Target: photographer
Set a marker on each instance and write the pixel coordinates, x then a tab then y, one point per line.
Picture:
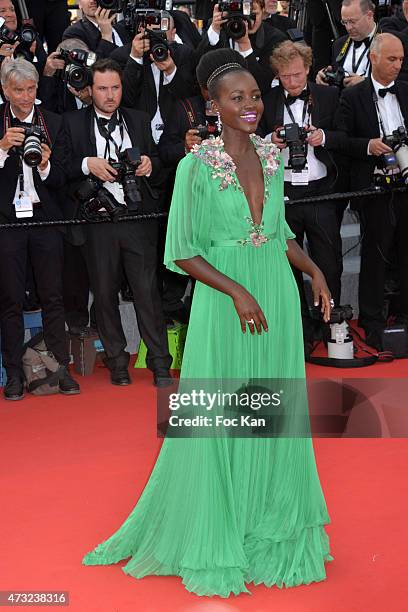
55	89
255	45
272	17
350	53
33	52
51	18
31	170
152	83
96	137
369	114
97	29
308	110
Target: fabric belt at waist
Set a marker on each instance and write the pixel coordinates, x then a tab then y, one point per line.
257	241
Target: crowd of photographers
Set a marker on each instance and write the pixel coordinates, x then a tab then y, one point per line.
96	115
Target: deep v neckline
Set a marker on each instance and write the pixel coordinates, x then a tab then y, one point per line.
240	188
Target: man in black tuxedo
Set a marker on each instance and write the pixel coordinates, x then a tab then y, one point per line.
94	137
50	17
97	29
275	19
322	34
297	101
351	52
28	195
367	113
255	46
153	86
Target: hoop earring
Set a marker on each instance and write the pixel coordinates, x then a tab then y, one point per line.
219	122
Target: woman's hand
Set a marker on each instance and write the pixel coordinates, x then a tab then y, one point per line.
249	312
321	294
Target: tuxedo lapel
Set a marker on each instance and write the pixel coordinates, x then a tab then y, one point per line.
90	124
403	102
316	110
368	105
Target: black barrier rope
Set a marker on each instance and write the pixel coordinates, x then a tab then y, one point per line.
349	195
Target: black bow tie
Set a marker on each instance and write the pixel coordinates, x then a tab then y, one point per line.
109	124
358	43
304	95
386	90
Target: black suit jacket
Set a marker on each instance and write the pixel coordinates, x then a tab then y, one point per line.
262	42
139	90
80	142
186	29
398	25
46	190
324	106
86	31
357	118
55	96
281	22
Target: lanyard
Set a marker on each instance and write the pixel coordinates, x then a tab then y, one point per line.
380	120
107	135
306	109
355	65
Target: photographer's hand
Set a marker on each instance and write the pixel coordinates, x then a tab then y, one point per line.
244	44
46	154
7	50
353	79
14	137
191	138
316	137
167	66
145	168
102	169
140	44
281	144
320	76
83	94
217	20
377	147
104	20
53	64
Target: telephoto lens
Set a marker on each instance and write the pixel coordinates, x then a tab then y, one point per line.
32	153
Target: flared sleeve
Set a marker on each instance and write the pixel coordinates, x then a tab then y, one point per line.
285	233
189	224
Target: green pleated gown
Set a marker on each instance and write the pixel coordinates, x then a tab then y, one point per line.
222	512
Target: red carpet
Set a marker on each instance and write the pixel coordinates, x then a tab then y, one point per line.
73	468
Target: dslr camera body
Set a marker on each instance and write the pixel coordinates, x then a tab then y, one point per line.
209	129
335	77
398	141
115	6
146	13
238	12
31	150
94	196
295	138
77	65
26	35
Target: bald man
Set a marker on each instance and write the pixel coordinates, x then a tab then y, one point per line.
368	112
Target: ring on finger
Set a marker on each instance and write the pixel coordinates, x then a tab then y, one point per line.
251	321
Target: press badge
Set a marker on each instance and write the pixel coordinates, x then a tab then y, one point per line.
23	205
300	178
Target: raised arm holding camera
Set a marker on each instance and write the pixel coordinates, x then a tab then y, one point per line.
300	117
31	171
240	26
19	41
115	168
350	53
374	115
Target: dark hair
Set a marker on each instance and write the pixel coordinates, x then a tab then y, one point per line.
214	60
106	65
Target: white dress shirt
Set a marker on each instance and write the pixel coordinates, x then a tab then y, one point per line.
214	37
362	50
116	39
389	109
115	189
29	188
317	170
157	121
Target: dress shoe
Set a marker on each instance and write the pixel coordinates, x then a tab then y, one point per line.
67	385
374	339
14	389
162	378
120	377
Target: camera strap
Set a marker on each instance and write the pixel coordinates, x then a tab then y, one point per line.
306	111
355	65
106	130
189	112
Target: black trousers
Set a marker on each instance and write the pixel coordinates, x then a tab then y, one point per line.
173	286
108	247
75	286
51	18
44	248
319	221
384	227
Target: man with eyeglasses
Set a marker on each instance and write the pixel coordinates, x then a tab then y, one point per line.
351	52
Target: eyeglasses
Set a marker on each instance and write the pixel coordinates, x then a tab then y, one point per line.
351	22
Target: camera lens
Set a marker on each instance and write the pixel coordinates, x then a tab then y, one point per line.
78	76
159	51
32	153
235	28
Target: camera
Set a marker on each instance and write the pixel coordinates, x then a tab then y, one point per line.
128	162
143	13
159	46
31	150
94	197
340	344
398	141
26	35
238	12
210	129
77	64
295	138
113	5
335	77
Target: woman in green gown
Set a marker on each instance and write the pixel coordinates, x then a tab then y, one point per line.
225	511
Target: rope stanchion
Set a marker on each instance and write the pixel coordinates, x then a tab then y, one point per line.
349	195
